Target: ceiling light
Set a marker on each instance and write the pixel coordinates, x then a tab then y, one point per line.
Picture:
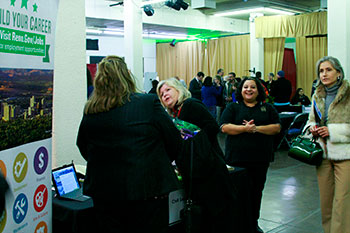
172	4
147	35
148	9
253	10
176	4
166	36
107	32
93	31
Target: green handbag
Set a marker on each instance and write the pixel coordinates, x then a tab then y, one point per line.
306	150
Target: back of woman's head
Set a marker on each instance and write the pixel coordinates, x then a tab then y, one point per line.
177	85
113	85
261	92
334	62
208	81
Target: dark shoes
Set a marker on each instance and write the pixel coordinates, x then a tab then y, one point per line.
258	229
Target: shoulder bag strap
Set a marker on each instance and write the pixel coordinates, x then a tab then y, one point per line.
190	174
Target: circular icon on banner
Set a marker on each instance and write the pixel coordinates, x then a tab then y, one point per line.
41	159
3	168
3	221
41	227
20	208
20	167
40	198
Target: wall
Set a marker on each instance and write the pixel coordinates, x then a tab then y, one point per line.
113	45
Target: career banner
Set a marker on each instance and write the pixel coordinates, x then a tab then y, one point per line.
27	35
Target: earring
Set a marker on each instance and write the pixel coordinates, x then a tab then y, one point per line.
338	78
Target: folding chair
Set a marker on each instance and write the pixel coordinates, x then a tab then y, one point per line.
294	129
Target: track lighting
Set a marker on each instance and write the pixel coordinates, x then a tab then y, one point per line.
176	4
148	9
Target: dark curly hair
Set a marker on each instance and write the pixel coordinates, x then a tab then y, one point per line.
261	92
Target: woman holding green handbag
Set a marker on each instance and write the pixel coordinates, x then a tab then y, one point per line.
332	103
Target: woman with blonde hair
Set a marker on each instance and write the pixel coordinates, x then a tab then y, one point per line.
211	185
128	141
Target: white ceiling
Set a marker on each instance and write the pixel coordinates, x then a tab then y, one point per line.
300	6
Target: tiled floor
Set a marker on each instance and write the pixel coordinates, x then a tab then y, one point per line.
291	198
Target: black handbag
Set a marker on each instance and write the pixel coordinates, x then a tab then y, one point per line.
191	214
306	149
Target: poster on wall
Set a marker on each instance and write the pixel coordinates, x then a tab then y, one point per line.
27	34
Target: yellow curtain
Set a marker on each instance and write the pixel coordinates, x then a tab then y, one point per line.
273	55
291	26
308	52
230	53
184	60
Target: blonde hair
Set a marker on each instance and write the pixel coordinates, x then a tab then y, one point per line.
173	82
113	85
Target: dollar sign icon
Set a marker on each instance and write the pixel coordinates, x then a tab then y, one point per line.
42	163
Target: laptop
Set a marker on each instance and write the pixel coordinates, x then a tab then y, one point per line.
66	183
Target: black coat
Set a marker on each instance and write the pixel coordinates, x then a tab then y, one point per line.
212	186
196	89
127	150
281	90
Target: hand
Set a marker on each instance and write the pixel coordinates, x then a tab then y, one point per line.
250	127
313	131
323	131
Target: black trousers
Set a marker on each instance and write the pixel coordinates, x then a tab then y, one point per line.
257	178
132	216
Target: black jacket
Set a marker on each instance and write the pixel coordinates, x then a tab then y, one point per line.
127	150
195	89
281	90
212	186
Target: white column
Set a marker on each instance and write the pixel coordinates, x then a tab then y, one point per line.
133	39
69	95
256	46
339	32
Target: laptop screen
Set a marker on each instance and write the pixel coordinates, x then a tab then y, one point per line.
65	179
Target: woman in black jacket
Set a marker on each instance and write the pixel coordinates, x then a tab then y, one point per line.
300	98
212	188
128	141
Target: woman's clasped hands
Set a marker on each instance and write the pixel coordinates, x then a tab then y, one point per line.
250	126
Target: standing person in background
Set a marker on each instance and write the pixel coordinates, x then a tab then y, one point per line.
332	101
196	86
221	73
270	82
230	81
258	75
211	185
154	87
210	93
300	98
128	141
281	90
220	103
90	87
251	125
